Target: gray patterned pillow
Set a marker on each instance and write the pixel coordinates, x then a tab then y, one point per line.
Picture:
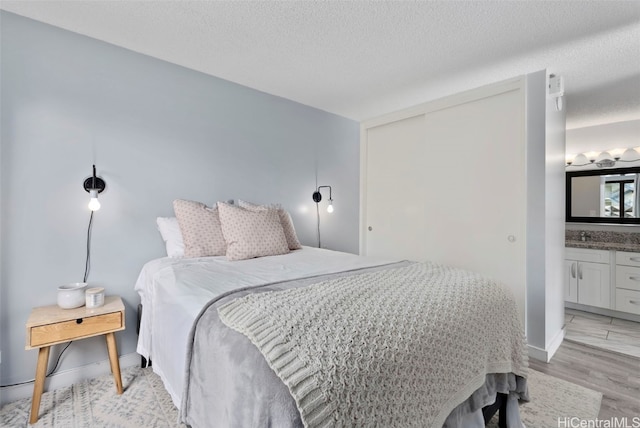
251	234
285	220
200	227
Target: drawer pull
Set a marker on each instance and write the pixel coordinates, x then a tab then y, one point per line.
634	278
634	259
79	321
634	302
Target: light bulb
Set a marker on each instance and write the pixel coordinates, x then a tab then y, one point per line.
592	156
617	153
569	159
330	207
94	204
630	154
604	156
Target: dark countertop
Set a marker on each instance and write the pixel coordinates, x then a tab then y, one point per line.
598	245
603	240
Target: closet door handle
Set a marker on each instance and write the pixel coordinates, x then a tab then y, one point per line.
573	270
579	271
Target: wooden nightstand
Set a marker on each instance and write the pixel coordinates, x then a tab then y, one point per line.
50	325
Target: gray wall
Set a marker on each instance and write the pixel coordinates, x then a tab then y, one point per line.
156	132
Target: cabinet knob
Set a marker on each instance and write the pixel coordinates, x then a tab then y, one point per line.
370	228
79	321
511	238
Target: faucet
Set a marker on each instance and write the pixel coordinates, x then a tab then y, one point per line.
583	236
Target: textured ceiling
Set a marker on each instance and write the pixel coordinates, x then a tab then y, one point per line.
364	59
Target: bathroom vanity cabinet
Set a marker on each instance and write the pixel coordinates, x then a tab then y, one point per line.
605	279
588	277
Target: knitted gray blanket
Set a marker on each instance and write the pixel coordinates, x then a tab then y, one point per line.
397	347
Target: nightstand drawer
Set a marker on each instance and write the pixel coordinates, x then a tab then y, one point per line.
75	329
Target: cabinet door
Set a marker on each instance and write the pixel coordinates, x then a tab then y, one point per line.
594	284
571	281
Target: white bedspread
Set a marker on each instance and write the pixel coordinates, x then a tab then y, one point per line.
173	291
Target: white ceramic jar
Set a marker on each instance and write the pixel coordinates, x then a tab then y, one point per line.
71	295
94	297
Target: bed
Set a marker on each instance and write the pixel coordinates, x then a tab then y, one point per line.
199	327
248	328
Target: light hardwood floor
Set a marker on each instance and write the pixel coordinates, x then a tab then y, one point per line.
604	332
615	375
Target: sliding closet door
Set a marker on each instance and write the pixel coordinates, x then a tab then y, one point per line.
477	197
449	186
395	206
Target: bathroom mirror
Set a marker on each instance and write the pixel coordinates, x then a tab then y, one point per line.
604	196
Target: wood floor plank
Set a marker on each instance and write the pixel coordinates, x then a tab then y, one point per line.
600	331
615	375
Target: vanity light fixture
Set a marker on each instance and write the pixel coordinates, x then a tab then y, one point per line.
317	197
94	185
604	159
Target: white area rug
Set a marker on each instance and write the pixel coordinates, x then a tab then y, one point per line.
145	403
94	403
553	398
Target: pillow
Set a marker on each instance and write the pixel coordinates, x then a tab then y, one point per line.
200	227
251	234
171	235
285	220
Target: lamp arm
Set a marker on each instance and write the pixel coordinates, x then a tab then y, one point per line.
324	187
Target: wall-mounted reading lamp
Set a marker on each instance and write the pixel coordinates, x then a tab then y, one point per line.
94	185
317	197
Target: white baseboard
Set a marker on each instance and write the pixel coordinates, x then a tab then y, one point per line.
67	378
546	354
555	343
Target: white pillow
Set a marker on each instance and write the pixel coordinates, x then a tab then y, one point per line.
171	235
